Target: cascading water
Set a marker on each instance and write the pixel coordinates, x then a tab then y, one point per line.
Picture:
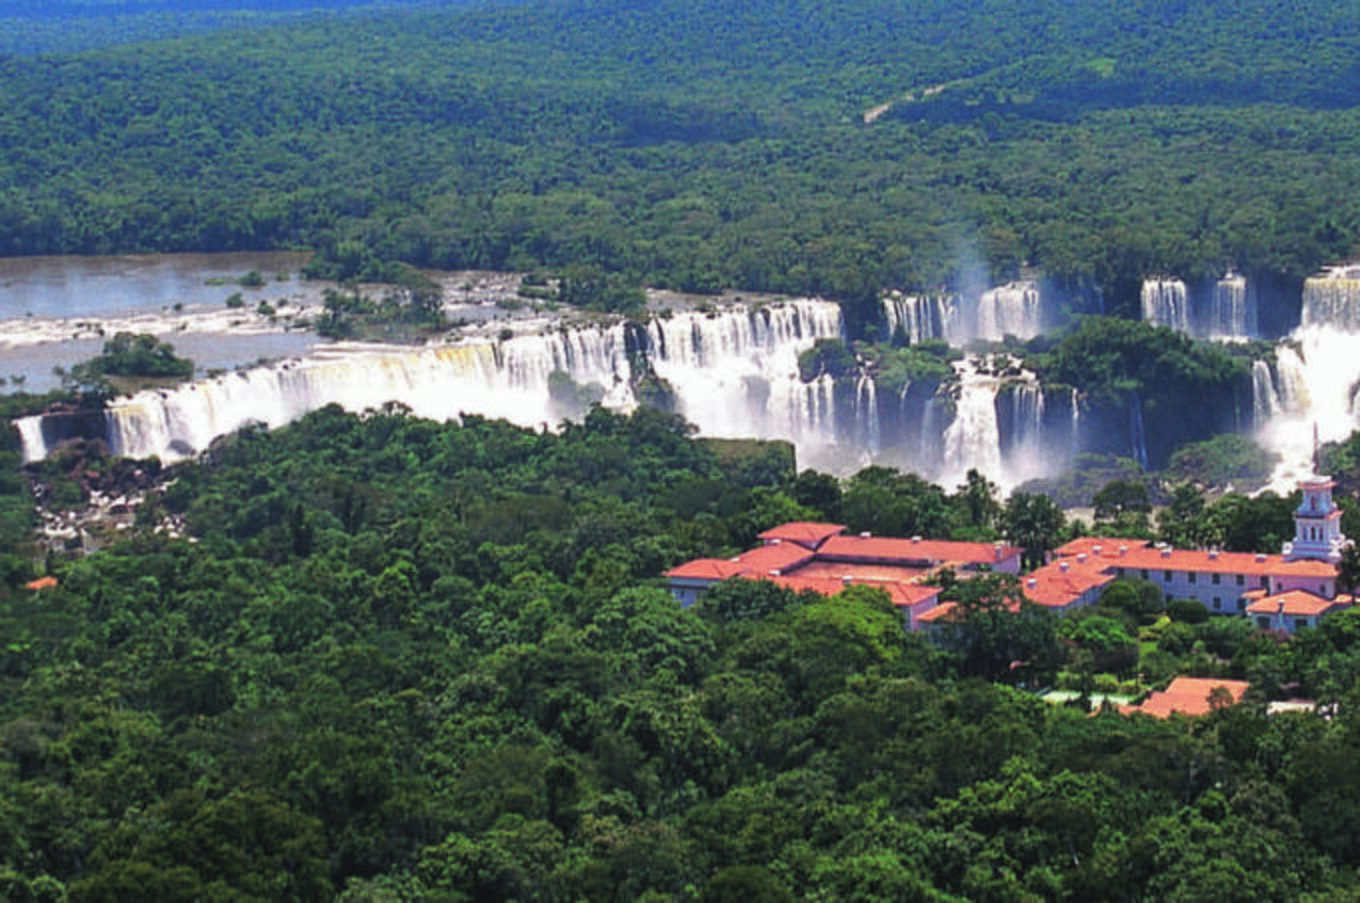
866	414
1232	312
922	318
1137	435
1074	425
735	372
1265	400
1166	303
973	439
1027	419
31	438
1316	378
713	361
1013	309
1333	299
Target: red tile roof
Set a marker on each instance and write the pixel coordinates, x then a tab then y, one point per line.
705	569
860	570
1108	547
901	594
763	559
1187	695
1217	562
911	551
804	533
1297	603
1053	588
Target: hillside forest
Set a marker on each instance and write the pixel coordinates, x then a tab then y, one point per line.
794	147
379	658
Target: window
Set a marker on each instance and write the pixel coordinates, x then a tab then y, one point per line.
1265	583
1193	576
1217	579
1300	622
1241	580
1144	573
1263	623
1166	576
1218	603
1241	604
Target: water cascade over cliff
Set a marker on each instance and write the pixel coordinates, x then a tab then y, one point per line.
1166	302
735	372
1231	312
732	371
1311	392
973	439
923	317
1333	299
1221	309
1013	309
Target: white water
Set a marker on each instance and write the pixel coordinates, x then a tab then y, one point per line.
1029	419
1232	310
1316	379
1013	309
866	415
1166	303
923	317
735	372
1137	435
1333	299
973	439
1265	399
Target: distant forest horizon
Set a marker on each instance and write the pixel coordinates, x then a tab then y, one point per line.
795	147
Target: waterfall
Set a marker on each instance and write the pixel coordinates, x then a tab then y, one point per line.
507	381
1333	299
1165	303
866	414
1012	309
922	317
735	372
1292	375
31	439
816	404
1316	377
1232	310
1027	417
1137	436
1074	439
1265	400
715	361
973	440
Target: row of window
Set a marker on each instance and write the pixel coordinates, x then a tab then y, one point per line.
1193	577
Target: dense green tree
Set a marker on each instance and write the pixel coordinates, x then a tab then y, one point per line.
1034	522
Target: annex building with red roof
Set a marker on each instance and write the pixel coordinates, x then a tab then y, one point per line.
1192	696
820	557
1285	592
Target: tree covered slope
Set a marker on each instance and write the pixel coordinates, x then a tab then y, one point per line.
698	145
